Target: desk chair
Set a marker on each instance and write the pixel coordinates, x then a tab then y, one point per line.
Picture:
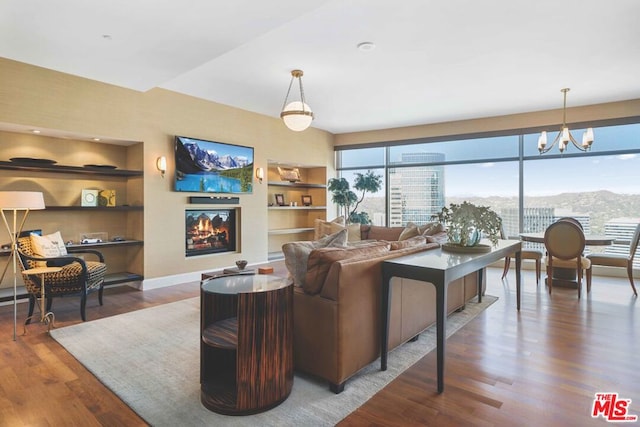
616	260
564	241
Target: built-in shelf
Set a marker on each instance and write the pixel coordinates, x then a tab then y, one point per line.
298	207
96	208
68	169
111	279
291	230
78	246
296	184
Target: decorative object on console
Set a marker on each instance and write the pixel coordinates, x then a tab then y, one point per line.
564	136
306	200
465	224
241	264
289	174
107	198
212	167
280	199
15	201
161	164
296	115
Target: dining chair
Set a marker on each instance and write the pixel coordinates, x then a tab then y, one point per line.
527	253
619	260
564	241
573	220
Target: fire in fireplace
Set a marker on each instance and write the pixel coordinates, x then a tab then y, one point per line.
210	231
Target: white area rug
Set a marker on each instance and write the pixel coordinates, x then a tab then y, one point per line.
151	359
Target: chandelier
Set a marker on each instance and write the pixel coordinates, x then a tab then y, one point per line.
564	136
297	115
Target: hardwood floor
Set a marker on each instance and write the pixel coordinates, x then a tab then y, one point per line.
541	366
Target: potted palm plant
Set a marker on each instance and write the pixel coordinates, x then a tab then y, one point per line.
467	223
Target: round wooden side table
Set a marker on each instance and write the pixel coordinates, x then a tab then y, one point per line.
246	346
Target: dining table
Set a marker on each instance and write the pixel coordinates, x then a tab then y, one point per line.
565	277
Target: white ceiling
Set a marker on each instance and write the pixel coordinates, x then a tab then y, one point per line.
434	61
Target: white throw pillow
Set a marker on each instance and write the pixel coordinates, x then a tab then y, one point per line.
49	246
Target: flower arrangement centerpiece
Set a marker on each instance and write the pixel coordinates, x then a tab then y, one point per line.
467	223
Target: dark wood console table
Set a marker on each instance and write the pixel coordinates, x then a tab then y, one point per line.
441	268
246	346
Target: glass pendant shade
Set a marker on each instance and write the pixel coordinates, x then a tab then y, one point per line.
297	116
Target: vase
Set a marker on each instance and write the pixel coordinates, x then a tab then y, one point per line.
468	237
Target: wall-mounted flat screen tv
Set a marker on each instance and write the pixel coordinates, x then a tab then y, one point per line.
212	167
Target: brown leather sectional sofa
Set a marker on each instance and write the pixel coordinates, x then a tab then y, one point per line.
336	331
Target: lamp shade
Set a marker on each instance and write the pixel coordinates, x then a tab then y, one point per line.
297	116
21	200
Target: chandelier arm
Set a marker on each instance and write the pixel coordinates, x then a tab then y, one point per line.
288	90
575	143
553	144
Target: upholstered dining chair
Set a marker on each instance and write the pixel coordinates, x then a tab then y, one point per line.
77	276
618	260
564	241
571	219
526	253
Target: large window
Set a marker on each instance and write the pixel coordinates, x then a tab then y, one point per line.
600	188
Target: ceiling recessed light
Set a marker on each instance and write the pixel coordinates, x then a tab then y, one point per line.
106	36
35	131
96	139
366	46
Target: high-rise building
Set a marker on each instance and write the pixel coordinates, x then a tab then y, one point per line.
416	192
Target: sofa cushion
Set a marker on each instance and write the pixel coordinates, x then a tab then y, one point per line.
296	254
409	232
408	243
322	228
428	229
320	261
376	232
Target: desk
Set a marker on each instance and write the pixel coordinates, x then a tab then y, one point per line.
48	318
440	268
567	277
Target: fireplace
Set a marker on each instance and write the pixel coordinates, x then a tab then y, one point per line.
210	231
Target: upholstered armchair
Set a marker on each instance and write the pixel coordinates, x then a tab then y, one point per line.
77	277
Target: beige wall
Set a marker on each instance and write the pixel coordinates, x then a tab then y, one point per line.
550	118
33	97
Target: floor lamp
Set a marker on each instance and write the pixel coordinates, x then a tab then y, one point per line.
15	202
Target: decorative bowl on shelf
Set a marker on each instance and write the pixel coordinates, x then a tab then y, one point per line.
241	264
33	161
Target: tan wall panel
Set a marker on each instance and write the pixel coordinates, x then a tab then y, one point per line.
613	110
36	97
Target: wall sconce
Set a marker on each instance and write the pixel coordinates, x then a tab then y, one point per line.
161	164
260	174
